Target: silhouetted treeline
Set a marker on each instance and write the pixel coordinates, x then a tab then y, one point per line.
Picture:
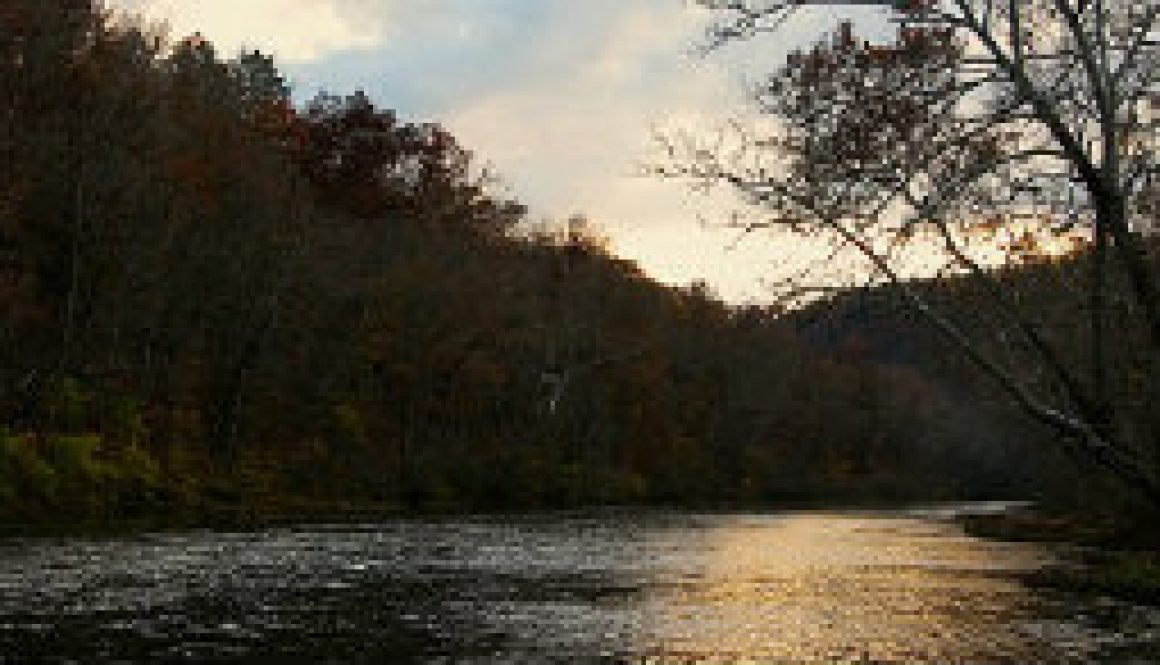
213	301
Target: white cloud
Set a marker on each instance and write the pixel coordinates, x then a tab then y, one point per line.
291	30
570	130
571	133
560	95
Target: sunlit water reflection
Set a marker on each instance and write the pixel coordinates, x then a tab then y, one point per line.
899	586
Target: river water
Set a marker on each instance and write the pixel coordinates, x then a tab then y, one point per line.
858	586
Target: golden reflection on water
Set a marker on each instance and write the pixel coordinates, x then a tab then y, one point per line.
839	587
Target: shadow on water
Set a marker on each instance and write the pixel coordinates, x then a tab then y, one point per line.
879	586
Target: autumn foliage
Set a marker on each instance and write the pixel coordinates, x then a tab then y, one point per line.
217	304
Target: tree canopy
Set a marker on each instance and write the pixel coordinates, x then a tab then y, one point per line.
217	304
968	121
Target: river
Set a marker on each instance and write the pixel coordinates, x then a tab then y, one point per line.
609	586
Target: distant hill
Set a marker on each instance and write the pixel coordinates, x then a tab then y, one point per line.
876	324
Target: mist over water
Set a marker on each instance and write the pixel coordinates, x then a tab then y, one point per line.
888	586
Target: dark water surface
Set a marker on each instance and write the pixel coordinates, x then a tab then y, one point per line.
896	586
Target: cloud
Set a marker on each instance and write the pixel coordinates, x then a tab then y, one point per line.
570	124
291	30
572	108
559	95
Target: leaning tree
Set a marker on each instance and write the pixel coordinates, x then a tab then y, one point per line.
979	113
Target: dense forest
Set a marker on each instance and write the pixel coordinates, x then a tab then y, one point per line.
215	304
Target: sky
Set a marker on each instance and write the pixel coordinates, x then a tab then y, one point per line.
559	96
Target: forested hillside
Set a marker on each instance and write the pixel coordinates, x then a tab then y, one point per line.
878	322
217	305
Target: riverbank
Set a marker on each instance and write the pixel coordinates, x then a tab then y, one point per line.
220	517
283	511
1118	555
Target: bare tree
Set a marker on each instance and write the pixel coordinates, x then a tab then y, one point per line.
982	112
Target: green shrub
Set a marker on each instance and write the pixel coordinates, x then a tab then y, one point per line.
29	482
67	404
349	427
70	477
74	455
124	422
87	486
